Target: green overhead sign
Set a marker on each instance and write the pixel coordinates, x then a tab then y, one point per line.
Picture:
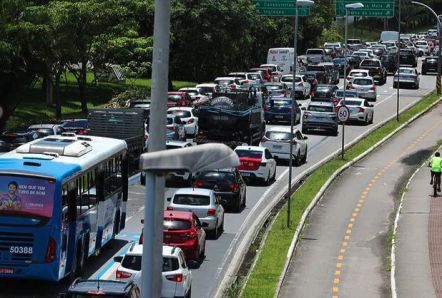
280	8
372	8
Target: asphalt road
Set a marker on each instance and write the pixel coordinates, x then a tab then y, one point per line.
219	252
343	250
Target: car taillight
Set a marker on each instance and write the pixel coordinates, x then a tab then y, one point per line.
361	110
122	274
82	132
175	277
50	251
199	184
171	128
190	121
350	86
234	187
211	212
373	88
169	208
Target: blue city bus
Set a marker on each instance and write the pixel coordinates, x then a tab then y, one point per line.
61	199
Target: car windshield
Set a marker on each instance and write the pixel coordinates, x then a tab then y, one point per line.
224	82
45	131
360	54
217	177
132	262
340	93
180	113
253	76
273	87
174	97
75	123
170	264
278	135
280	103
205	90
315	68
290	79
315	52
339	61
249	153
358	74
175	224
324	109
193	200
192	92
322	89
26	196
406	71
370	63
351	102
362	82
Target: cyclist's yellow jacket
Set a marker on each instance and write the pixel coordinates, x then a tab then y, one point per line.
436	164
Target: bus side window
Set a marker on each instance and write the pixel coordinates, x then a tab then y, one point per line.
64	203
87	192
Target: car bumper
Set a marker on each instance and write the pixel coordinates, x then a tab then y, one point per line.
319	126
229	199
276	117
191	251
357	117
252	175
367	95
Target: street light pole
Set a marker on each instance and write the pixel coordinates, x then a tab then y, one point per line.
298	3
398	59
439	29
347	7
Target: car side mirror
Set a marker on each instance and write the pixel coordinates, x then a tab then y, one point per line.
118	259
169	199
305	137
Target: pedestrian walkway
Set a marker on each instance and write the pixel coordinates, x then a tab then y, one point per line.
343	252
419	241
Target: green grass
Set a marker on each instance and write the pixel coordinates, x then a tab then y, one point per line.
265	275
33	109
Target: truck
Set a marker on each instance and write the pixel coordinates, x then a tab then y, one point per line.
283	57
126	124
232	117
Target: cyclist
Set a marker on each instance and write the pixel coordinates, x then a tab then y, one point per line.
436	163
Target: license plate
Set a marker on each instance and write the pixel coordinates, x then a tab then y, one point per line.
279	116
245	174
277	146
6	271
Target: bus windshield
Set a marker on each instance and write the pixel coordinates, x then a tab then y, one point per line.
26	196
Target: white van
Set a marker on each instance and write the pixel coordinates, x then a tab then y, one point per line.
283	57
389	35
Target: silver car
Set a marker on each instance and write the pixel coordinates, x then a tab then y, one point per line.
365	87
320	116
408	76
204	203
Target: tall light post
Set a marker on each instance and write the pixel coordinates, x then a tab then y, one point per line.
439	33
398	59
348	7
298	4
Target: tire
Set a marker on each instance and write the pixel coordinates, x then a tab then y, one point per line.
238	205
304	158
267	181
371	119
189	294
202	253
297	160
214	234
335	133
245	198
221	228
435	188
274	176
304	130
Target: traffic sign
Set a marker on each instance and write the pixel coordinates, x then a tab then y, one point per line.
372	8
343	114
280	8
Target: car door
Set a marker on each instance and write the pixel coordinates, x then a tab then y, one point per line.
241	183
300	140
270	161
219	208
368	108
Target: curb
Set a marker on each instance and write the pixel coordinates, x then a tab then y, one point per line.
318	196
395	226
251	226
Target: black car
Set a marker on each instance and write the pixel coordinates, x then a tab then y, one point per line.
354	61
340	64
10	141
407	57
228	185
324	92
78	126
389	61
102	288
429	64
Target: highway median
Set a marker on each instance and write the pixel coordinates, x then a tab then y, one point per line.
272	259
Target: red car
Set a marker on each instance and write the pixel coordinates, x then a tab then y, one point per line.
178	99
184	230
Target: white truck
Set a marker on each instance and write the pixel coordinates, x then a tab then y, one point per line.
283	57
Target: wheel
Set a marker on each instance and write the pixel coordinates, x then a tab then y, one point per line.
274	176
245	198
366	122
371	119
297	160
189	294
238	205
335	133
202	253
221	228
435	188
304	130
394	85
215	232
267	181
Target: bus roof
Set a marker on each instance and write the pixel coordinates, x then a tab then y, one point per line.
60	156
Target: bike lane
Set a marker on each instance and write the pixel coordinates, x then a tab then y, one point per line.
344	248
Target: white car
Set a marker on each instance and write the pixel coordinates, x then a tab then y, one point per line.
227	82
368	51
408	76
360	110
195	94
277	140
177	277
256	163
365	87
206	88
422	47
189	120
303	87
357	73
47	129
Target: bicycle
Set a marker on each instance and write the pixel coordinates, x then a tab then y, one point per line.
436	183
